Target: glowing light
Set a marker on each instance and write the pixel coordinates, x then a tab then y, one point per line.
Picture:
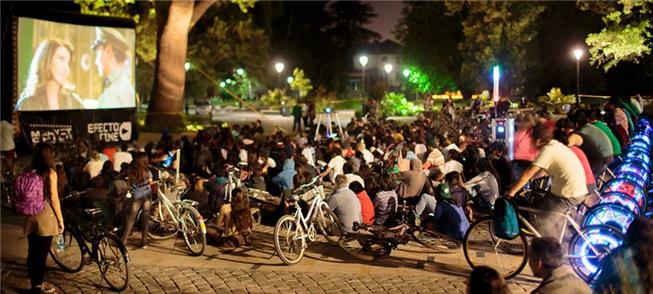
388	68
290	80
363	60
406	73
187	66
578	53
279	67
496	75
240	71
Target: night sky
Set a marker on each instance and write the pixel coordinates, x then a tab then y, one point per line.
389	12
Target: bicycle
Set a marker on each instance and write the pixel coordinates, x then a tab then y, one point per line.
586	247
293	232
384	239
107	250
170	217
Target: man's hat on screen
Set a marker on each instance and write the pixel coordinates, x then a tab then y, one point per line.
110	36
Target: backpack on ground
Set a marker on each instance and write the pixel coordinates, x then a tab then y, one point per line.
28	193
505	223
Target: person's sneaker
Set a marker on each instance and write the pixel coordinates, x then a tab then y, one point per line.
145	244
42	289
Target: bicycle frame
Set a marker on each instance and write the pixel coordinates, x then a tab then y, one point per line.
315	208
568	220
173	208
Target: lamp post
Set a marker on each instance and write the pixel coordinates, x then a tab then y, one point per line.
388	69
363	61
578	53
279	66
496	74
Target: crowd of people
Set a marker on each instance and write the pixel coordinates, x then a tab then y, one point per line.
444	164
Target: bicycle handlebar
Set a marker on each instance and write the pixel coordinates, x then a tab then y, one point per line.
307	185
74	194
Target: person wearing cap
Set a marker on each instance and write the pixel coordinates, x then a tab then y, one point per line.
449	216
111	57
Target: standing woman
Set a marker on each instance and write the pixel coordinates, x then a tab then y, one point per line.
49	222
140	179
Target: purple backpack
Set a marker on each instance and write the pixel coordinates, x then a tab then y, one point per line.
28	193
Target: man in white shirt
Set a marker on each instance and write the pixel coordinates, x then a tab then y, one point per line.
568	187
367	155
348	170
335	165
121	157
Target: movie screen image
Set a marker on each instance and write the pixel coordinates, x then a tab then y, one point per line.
74	67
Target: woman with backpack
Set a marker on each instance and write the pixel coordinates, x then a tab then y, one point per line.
40	185
140	179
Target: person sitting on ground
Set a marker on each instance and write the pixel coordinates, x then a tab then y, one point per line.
453	163
629	269
412	181
284	178
120	157
546	260
345	204
198	193
351	176
486	280
94	166
367	208
449	217
487	181
234	223
459	193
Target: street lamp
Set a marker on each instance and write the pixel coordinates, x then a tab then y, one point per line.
187	66
406	73
279	68
240	71
388	68
496	75
363	61
578	53
290	80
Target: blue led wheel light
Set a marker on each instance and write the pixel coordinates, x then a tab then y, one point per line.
607	214
585	254
628	188
622	200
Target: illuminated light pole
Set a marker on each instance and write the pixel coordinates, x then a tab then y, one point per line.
363	59
279	66
495	91
388	69
240	71
187	66
406	73
578	53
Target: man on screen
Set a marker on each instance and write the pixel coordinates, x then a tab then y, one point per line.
111	58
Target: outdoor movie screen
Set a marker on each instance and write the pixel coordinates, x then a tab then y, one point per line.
74	67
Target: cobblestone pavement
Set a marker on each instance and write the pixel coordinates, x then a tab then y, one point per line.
166	267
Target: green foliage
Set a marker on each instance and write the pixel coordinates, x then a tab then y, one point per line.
244	5
300	83
496	32
395	104
277	97
556	97
435	59
626	36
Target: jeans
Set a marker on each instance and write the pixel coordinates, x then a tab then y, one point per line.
297	124
548	223
37	255
137	204
426	202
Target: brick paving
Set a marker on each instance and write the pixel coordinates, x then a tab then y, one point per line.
144	279
166	267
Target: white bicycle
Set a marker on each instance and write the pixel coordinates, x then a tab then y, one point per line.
293	233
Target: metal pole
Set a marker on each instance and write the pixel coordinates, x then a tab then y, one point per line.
364	93
279	80
577	81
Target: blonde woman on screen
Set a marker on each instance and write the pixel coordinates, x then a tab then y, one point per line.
47	79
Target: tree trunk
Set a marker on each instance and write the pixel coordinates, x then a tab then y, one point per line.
164	110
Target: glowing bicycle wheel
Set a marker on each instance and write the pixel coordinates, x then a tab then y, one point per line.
622	200
639	179
628	188
587	249
609	214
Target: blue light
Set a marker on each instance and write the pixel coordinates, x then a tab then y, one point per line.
609	214
621	200
495	73
327	109
628	188
501	129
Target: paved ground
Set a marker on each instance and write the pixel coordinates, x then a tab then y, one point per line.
166	267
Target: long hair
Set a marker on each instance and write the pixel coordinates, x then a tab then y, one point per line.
43	163
240	211
139	168
39	70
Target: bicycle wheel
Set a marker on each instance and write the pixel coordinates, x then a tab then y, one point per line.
436	241
162	226
360	247
288	240
587	248
70	258
481	247
113	261
194	231
329	225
